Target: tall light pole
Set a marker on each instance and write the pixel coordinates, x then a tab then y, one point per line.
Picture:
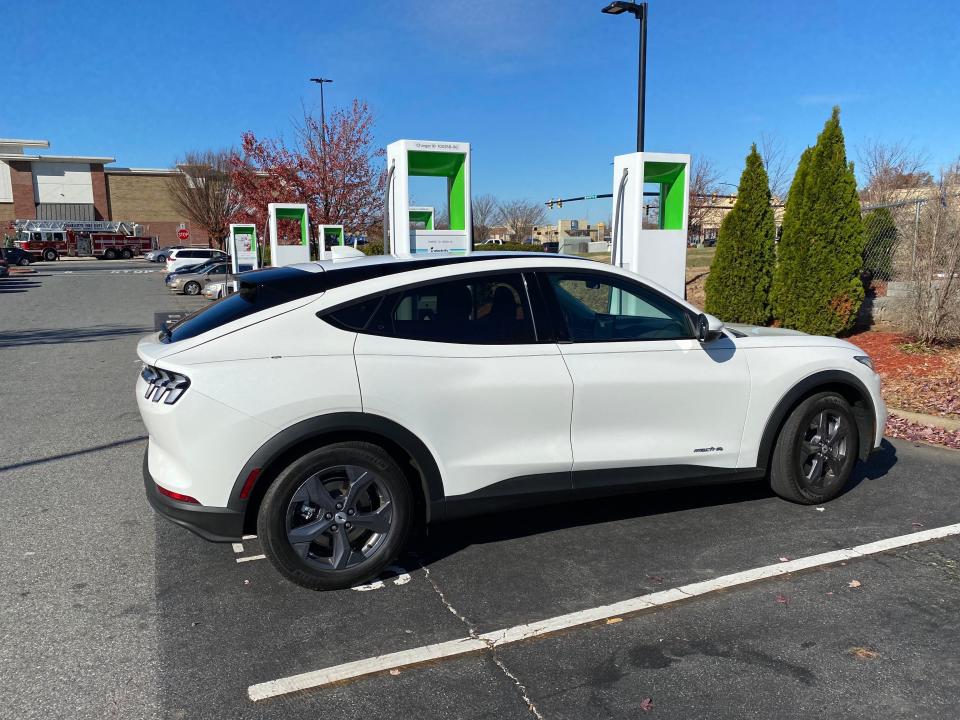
323	146
639	11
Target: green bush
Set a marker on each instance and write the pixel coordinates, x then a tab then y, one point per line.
738	287
371	248
816	286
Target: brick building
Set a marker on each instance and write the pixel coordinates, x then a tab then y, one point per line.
81	187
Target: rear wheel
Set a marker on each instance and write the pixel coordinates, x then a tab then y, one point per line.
24	261
50	255
335	517
192	288
126	253
816	450
110	254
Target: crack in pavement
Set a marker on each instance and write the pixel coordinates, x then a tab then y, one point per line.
486	641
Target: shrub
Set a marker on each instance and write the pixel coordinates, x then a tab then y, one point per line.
738	287
816	285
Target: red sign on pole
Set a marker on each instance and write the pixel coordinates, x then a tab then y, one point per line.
183	234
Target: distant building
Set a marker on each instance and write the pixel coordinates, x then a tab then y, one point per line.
83	187
571	235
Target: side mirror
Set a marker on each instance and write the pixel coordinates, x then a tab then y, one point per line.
708	327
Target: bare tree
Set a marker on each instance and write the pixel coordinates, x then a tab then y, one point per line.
777	164
520	216
704	186
934	306
886	168
203	191
486	212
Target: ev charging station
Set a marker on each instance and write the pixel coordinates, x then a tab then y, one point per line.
281	255
243	246
428	158
329	236
656	253
422	215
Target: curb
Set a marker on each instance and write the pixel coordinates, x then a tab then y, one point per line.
934	420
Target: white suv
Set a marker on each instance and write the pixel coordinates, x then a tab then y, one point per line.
182	257
350	400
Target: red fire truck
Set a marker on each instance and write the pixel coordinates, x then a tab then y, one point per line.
104	239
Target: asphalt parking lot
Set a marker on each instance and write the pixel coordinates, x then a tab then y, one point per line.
107	611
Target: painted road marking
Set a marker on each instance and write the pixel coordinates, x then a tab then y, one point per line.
248	558
237	547
497	638
399	577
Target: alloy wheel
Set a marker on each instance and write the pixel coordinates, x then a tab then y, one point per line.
823	449
339	517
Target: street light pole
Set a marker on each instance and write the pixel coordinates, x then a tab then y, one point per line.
323	145
639	11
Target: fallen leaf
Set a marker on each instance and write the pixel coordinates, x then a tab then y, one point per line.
917	524
646	704
783	599
853	584
784	559
612	621
830	593
862	653
655	578
394	671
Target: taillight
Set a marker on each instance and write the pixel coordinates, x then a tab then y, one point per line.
179	497
164	385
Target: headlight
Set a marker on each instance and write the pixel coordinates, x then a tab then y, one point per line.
864	359
162	383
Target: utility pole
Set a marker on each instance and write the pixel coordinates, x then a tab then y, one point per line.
639	11
323	146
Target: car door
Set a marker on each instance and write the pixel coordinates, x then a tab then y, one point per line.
647	394
458	362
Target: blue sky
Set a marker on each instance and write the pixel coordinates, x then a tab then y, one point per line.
544	91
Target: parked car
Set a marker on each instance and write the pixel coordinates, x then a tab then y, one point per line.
349	400
4	268
160	254
199	267
191	283
492	241
192	256
551	247
215	287
16	256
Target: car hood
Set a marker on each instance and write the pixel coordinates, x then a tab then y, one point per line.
760	331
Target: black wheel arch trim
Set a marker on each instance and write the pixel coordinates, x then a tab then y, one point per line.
866	416
335	426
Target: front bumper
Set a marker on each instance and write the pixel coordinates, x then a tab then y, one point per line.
211	523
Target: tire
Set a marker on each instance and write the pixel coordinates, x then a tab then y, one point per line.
816	450
191	288
110	254
126	253
306	495
50	255
161	259
23	262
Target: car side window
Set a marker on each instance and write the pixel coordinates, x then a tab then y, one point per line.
597	307
478	310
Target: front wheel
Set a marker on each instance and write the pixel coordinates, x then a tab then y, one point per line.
192	288
336	517
50	255
816	450
24	261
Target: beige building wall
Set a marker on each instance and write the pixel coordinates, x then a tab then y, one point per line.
144	197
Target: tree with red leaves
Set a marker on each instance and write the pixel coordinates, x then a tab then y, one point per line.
342	184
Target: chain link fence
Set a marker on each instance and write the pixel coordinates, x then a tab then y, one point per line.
891	231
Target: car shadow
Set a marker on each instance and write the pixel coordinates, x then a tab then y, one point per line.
56	336
448	538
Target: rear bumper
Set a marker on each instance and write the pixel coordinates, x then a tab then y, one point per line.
211	523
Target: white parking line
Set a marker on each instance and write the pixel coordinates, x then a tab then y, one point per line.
237	547
248	558
497	638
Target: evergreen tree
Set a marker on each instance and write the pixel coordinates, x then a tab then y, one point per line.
738	287
816	286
